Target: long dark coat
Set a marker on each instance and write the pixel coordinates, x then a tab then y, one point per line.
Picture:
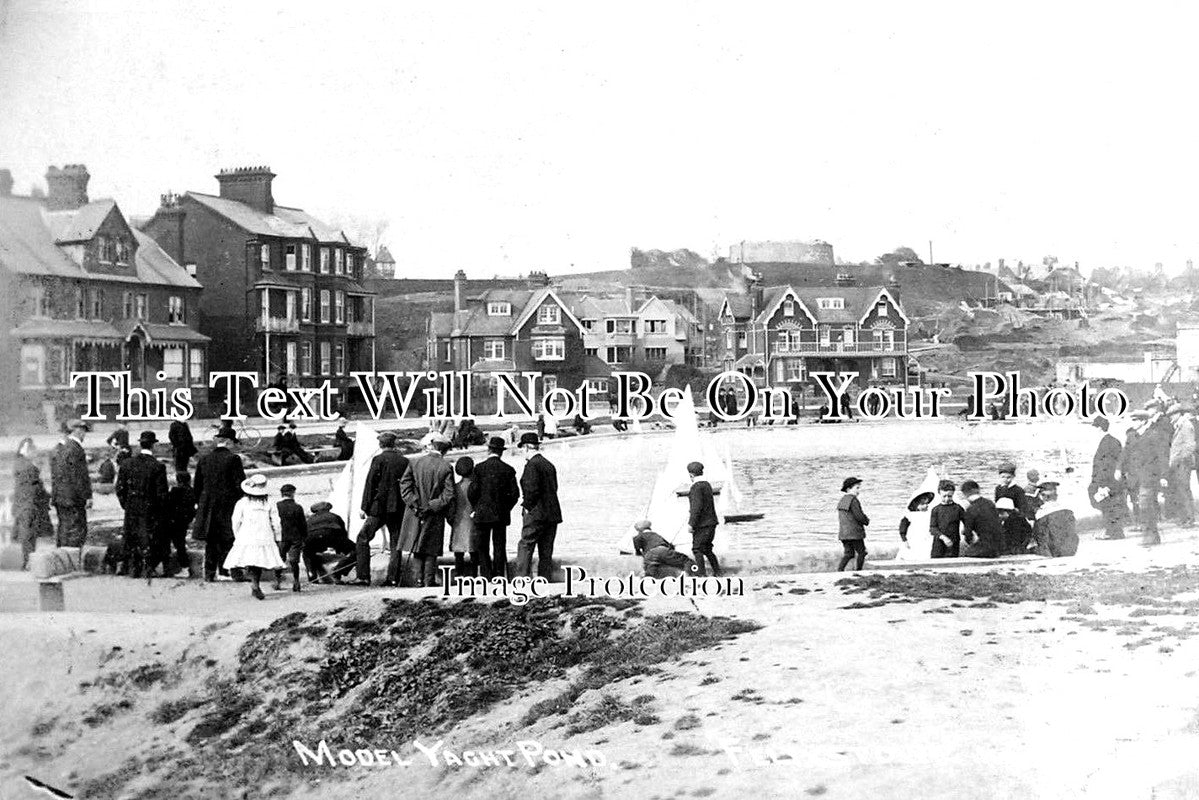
493	492
180	437
539	485
381	495
142	486
30	502
982	519
219	476
71	485
428	491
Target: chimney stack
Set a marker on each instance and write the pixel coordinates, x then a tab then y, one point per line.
170	212
630	297
459	283
249	185
538	279
67	187
5	183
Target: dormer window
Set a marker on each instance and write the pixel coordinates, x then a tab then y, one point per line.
830	303
496	308
881	308
106	249
549	314
122	248
788	308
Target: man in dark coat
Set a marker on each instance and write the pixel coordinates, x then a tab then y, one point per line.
219	476
493	494
382	506
1148	465
327	531
1106	489
183	446
142	492
428	491
981	524
30	501
701	519
294	532
343	442
542	513
71	487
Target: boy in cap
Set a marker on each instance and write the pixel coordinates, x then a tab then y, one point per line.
702	519
658	556
1007	486
293	532
852	522
327	531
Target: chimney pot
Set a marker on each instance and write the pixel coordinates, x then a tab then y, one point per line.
459	281
66	187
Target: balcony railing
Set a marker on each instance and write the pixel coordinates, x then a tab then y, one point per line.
360	328
277	325
840	348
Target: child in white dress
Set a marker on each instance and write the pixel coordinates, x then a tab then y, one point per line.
256	533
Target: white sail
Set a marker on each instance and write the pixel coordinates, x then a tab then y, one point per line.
666	509
346	494
920	540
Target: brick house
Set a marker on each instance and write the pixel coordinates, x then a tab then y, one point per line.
82	290
649	335
284	292
513	331
780	335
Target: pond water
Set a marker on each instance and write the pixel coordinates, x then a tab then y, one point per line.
793	474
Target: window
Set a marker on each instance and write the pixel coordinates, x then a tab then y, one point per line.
588	324
291	314
122	252
728	339
339	306
621	326
289	258
826	335
172	363
306	305
324	260
598	385
497	308
881	308
102	250
351	314
590	351
847	336
305	258
655	326
888	367
96	303
788	307
619	355
742	339
493	349
655	353
140	303
291	354
191	270
305	358
339	358
549	349
337	262
264	256
549	314
175	310
324	306
830	303
795	369
197	366
884	339
266	304
349	264
80	304
33	365
39	299
325	358
548	384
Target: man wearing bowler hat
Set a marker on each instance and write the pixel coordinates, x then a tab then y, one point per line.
71	486
382	506
142	491
542	513
493	494
219	476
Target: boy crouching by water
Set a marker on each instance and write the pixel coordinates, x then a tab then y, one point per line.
853	522
658	556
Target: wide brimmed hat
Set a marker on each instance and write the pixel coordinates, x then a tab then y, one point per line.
849	483
255	485
1048	483
923	497
1005	503
529	438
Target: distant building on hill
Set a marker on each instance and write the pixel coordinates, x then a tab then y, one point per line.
384	265
793	252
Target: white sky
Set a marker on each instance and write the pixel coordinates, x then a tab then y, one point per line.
501	137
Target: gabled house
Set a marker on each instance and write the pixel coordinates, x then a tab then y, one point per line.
82	290
512	331
284	290
795	331
649	335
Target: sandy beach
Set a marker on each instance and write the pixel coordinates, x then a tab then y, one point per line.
1054	679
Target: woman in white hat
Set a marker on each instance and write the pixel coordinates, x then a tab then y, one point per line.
256	532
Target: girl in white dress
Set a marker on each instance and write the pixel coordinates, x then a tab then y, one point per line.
256	533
